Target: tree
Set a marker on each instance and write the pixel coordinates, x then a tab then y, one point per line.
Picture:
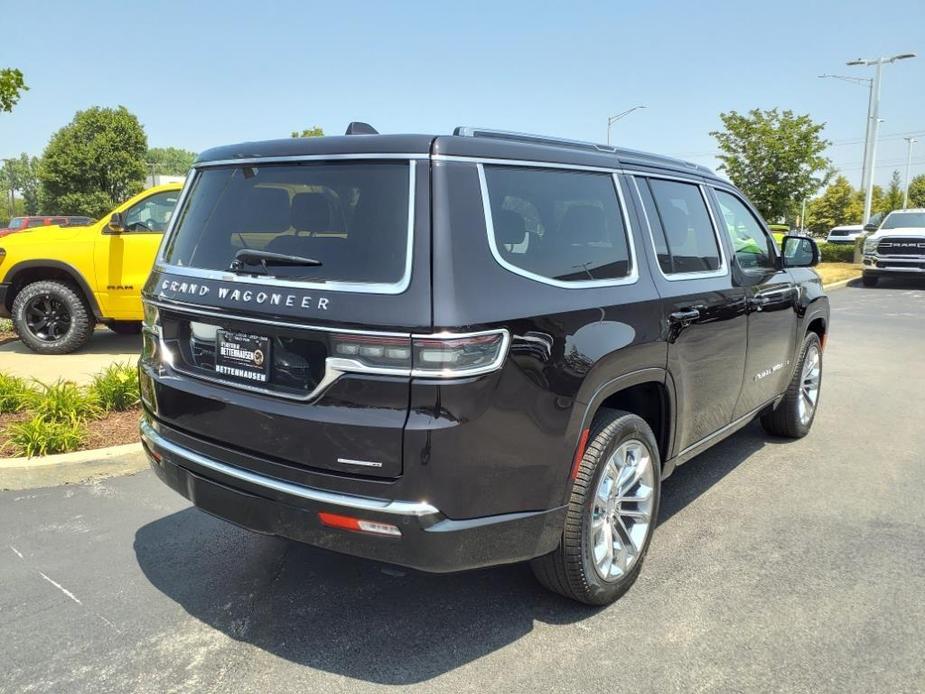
170	161
839	204
893	200
917	191
12	86
314	131
22	175
93	163
774	157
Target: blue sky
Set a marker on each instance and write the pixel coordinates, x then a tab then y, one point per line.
206	73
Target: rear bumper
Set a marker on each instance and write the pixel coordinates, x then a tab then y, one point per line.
429	541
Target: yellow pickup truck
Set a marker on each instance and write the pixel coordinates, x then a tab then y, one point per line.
57	283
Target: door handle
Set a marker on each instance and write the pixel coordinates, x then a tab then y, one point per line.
686	316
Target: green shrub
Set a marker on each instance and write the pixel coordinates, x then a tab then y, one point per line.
63	401
16	394
6	325
42	436
116	387
836	252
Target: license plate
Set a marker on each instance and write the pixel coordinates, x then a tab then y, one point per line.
242	356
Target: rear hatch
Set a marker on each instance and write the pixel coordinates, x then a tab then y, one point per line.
284	301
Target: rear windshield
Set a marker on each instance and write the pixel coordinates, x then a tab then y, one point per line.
897	220
350	216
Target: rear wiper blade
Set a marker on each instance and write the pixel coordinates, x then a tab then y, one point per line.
248	257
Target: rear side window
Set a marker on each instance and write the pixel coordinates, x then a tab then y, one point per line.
559	225
681	228
351	216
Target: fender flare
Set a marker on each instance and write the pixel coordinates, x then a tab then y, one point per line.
70	270
586	411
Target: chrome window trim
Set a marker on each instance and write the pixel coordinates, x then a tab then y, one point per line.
384	288
155	443
310	157
631	278
722	271
534	163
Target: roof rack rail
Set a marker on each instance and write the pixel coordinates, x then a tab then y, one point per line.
467	131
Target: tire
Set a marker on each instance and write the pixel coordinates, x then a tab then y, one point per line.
67	325
869	280
573	569
125	327
789	419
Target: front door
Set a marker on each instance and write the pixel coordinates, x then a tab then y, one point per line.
123	259
704	312
772	302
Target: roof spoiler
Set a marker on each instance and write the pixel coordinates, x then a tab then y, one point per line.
360	128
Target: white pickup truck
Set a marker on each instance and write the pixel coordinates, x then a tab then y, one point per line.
897	246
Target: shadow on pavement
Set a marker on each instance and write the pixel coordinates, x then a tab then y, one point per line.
365	620
888	282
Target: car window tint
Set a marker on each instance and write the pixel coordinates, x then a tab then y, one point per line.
752	245
561	225
658	233
688	232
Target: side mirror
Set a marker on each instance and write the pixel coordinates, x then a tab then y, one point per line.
799	251
870	227
116	223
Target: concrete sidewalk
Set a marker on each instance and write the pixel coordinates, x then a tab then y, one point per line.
104	348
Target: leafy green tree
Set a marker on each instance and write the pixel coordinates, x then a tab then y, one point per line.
22	175
93	163
774	156
893	199
170	161
838	204
917	191
314	131
12	85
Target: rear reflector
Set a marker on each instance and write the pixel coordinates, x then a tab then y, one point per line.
334	520
579	453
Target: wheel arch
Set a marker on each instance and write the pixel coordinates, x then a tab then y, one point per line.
648	393
29	271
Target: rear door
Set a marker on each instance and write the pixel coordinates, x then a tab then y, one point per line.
307	364
704	312
772	301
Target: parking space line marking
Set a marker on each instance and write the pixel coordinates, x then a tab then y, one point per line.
61	588
16	552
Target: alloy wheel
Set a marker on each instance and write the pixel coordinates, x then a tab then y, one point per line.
809	384
47	318
621	511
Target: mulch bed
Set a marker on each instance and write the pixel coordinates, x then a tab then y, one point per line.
115	429
7	336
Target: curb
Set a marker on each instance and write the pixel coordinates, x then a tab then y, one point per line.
840	283
71	468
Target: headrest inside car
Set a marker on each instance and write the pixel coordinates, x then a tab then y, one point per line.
311	212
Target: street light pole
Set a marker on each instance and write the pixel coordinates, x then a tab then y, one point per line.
911	141
874	123
613	119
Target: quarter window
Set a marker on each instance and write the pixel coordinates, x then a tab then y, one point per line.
561	225
752	245
681	228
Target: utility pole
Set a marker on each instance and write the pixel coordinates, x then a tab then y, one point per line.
613	119
874	122
911	141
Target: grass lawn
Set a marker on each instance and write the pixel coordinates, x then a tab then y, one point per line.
836	272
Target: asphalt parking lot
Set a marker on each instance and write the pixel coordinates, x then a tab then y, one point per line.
777	566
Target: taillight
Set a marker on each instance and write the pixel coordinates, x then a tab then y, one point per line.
450	356
446	355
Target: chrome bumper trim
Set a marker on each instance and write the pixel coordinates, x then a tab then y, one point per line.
155	442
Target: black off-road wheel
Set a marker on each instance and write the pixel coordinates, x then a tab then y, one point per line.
611	514
125	327
51	317
794	415
869	280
